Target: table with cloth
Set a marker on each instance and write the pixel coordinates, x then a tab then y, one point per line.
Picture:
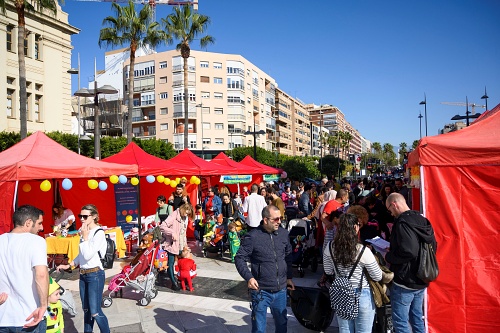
69	245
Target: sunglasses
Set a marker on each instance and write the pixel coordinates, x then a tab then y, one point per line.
275	219
83	217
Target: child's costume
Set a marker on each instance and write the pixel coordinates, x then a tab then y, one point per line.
234	244
55	320
185	267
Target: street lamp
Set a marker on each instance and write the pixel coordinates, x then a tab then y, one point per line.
77	71
254	133
466	117
321	142
84	92
202	142
420	119
424	103
485	97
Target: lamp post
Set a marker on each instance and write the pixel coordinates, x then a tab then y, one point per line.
338	150
485	97
321	142
254	133
202	142
77	71
466	117
424	103
420	120
84	92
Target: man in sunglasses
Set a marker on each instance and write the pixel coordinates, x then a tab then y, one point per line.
24	278
268	250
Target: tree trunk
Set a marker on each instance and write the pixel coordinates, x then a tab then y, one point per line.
130	93
23	97
186	104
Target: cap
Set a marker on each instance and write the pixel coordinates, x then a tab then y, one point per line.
53	286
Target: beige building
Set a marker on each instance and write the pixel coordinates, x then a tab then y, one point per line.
48	58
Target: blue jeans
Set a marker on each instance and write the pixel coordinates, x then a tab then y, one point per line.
261	300
40	328
91	288
366	314
407	306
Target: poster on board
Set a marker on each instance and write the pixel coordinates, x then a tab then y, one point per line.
126	205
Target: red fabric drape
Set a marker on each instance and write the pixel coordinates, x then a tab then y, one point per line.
6	206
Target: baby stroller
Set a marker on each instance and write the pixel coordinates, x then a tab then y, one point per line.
311	307
140	275
216	241
302	241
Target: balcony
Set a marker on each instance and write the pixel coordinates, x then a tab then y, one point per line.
144	119
144	88
181	115
178	83
239	117
179	68
236	131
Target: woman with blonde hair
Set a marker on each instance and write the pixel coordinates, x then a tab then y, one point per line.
174	236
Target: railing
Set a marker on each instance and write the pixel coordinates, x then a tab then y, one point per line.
178	83
236	131
143	88
236	117
181	114
181	67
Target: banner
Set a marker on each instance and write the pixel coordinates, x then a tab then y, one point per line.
126	205
271	178
236	179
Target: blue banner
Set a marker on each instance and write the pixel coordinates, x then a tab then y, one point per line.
236	179
126	205
269	178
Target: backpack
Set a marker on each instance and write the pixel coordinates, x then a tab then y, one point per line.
109	257
428	269
343	298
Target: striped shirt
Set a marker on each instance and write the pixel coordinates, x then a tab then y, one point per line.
367	261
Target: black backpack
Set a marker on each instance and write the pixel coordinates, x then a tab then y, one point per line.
109	258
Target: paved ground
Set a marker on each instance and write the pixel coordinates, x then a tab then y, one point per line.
219	303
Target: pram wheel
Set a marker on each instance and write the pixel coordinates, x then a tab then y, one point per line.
145	301
153	293
301	272
204	253
106	302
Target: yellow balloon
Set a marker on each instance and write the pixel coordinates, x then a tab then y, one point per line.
167	181
26	187
173	183
160	179
177	180
134	181
45	185
197	181
113	179
128	218
93	184
192	180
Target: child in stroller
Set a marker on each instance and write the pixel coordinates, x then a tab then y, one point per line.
216	239
302	241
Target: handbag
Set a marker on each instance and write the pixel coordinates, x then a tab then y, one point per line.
428	269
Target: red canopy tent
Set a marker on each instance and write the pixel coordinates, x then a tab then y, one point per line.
37	158
460	193
264	169
202	167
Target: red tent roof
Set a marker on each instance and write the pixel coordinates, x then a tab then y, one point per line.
202	167
473	145
265	169
242	169
40	157
148	164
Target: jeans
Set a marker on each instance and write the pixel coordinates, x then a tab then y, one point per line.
40	328
261	300
407	306
91	288
171	273
366	314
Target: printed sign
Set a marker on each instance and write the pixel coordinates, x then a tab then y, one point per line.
126	205
271	178
236	179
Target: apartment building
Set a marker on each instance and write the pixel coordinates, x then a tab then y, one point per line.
229	99
47	50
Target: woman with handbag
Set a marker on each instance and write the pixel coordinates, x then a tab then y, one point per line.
345	256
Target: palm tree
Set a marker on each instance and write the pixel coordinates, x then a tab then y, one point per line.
402	150
377	147
185	25
21	7
415	144
137	31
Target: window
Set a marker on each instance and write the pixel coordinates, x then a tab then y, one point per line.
205	110
163	111
207	141
217	80
163	79
28	107
10	98
163	95
26	46
38	87
10	80
38	43
204	64
9	37
219	126
218	95
217	65
163	64
206	126
38	108
192	144
163	127
204	79
218	111
219	141
205	94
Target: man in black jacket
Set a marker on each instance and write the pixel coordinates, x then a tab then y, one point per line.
407	292
178	197
268	249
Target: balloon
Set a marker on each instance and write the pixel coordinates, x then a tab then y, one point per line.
160	179
150	179
177	180
103	186
113	179
134	181
26	187
197	181
128	218
67	184
173	183
45	185
192	180
167	181
92	183
122	179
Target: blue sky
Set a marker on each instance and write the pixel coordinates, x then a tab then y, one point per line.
372	59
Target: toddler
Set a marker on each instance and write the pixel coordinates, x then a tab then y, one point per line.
219	231
234	241
198	224
55	320
186	268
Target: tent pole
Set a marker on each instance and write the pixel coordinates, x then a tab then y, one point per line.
139	217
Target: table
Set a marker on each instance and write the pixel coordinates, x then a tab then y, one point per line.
69	245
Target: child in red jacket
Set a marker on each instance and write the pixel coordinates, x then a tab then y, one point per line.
186	268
